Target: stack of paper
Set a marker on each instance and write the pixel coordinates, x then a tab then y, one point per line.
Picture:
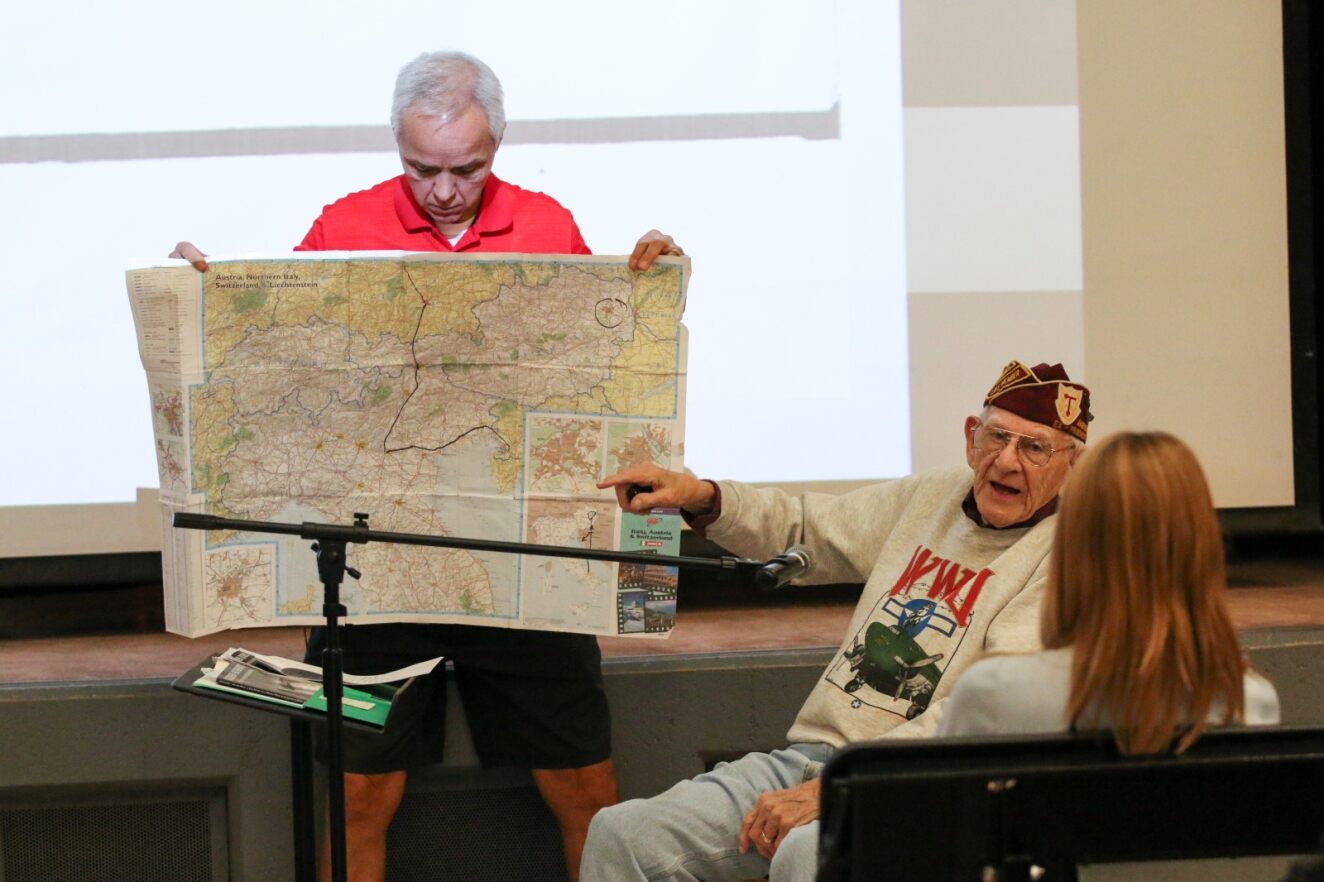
296	684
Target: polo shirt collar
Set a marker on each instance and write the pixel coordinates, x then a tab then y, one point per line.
495	213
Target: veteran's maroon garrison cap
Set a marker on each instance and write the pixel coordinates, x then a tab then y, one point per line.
1045	394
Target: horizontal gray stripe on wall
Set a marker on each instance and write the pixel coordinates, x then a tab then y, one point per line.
812	125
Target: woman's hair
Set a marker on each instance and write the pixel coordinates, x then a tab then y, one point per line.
1136	587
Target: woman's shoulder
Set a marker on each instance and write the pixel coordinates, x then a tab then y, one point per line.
1009	694
997	670
1261	701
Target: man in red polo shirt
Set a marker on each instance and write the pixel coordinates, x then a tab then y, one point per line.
533	699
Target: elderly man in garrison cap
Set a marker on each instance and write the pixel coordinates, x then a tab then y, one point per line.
954	562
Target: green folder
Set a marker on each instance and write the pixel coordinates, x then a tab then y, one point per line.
366	707
366	704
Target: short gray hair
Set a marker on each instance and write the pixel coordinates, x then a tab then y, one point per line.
442	84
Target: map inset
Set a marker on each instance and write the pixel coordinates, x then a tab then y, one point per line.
555	587
565	455
167	410
238	583
432	392
636	444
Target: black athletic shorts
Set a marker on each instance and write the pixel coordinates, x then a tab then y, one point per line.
533	699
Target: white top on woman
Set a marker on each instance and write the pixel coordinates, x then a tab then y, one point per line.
1027	694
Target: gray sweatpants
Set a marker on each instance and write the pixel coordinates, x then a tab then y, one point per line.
691	832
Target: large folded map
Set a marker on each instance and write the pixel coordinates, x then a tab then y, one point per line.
474	396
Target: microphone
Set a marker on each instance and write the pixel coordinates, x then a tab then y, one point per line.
790	564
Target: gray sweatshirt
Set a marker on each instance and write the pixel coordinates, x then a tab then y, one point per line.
939	592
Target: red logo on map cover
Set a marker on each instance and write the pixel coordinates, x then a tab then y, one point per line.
652	543
652	522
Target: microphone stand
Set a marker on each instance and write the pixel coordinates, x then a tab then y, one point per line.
330	541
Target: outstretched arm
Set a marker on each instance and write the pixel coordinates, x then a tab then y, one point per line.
641	488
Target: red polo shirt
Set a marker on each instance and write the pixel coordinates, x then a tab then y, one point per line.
386	218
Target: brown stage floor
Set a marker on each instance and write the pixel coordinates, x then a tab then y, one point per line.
1266	594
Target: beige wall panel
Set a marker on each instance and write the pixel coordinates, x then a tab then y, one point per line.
992	199
959	344
1184	225
977	52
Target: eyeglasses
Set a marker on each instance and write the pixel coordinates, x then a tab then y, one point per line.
994	439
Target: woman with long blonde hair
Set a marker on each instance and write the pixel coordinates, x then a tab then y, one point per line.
1136	633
